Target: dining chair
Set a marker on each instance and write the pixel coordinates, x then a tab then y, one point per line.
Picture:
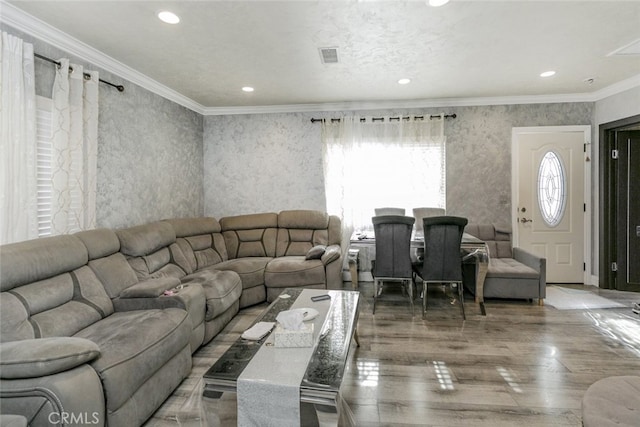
389	211
420	213
392	262
442	256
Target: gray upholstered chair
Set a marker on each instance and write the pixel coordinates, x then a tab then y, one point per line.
389	211
442	257
420	213
393	258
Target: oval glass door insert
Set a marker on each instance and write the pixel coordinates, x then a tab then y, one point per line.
552	189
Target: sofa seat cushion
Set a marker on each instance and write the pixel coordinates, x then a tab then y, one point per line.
250	269
134	345
289	271
222	289
510	268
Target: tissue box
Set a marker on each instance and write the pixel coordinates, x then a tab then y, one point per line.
300	338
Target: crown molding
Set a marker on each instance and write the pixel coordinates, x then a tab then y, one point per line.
33	26
617	88
398	104
28	24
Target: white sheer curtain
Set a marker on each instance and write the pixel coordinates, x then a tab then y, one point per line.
75	142
18	219
378	163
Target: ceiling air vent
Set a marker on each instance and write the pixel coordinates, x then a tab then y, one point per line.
329	55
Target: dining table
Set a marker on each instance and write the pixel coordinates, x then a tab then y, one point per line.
473	249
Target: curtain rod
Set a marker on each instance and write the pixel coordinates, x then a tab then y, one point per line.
377	119
119	87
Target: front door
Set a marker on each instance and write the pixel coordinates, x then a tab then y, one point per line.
550	198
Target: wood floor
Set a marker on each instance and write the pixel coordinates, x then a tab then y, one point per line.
522	364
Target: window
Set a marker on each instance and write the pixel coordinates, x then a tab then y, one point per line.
398	163
552	185
44	156
44	170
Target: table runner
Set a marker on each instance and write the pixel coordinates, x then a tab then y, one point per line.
268	389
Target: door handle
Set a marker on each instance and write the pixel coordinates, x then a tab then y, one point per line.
525	220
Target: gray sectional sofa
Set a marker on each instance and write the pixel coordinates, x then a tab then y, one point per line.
513	273
99	326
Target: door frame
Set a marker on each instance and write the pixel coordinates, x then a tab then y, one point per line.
607	236
515	151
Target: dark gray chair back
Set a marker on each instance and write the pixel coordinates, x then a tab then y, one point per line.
393	243
442	257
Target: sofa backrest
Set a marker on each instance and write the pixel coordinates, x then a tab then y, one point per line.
300	230
201	242
48	290
152	251
251	235
498	238
106	260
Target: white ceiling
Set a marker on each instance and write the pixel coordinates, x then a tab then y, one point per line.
463	50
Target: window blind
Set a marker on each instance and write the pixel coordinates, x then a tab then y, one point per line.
44	157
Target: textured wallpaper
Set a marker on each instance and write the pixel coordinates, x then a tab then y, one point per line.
271	162
149	149
262	163
149	159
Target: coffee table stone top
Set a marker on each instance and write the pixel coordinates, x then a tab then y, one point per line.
326	366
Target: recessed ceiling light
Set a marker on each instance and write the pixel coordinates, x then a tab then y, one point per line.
168	17
247	89
437	3
404	81
547	74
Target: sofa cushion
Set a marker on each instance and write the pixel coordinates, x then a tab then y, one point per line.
221	289
100	242
497	238
114	272
108	264
292	271
202	251
185	227
146	239
300	230
309	219
316	252
510	268
200	241
33	260
250	235
44	356
72	301
250	269
134	345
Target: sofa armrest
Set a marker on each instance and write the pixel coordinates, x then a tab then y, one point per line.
44	400
331	253
539	264
44	356
150	288
529	259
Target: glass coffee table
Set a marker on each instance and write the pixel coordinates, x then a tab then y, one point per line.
321	374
